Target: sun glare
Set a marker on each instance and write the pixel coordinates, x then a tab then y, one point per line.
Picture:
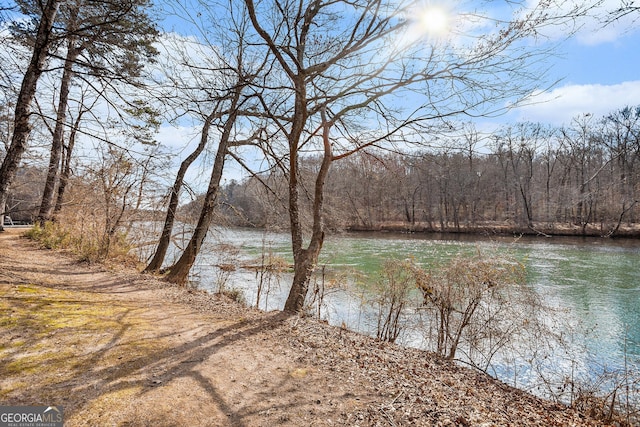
434	21
427	23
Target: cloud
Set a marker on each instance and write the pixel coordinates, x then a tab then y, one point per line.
599	24
179	139
563	104
595	32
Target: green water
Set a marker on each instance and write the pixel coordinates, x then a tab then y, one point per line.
595	281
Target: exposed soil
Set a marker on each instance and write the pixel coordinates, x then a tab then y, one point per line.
119	348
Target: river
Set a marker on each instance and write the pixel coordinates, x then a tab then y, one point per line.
592	284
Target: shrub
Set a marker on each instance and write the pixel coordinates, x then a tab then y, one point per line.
390	295
83	242
269	272
51	236
478	301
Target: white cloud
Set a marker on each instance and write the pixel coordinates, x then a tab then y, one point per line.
597	26
592	35
179	139
563	104
182	140
595	31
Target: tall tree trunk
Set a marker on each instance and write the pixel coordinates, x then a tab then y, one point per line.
179	272
302	260
53	174
305	260
165	237
65	173
22	126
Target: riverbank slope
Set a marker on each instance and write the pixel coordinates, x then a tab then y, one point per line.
119	348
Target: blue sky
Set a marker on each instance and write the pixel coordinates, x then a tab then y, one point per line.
600	72
598	69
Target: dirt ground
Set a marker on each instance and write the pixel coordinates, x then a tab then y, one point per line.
114	347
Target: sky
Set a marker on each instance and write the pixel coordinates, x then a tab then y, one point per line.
599	70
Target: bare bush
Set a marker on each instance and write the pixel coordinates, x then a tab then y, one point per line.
479	310
324	284
227	259
390	296
475	303
612	395
269	273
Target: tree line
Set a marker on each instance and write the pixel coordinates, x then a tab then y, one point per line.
582	179
319	91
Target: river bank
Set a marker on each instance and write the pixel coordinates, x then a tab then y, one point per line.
506	228
114	347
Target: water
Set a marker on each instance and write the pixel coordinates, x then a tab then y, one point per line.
593	283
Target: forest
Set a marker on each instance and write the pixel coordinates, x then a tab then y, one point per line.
340	115
527	178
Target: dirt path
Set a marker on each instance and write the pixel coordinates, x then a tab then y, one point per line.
118	348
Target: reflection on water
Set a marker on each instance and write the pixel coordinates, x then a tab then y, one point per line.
596	280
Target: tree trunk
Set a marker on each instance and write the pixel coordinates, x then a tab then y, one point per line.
165	237
305	260
22	126
3	202
66	167
179	272
65	174
53	174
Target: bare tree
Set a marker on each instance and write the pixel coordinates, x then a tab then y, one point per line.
179	272
194	82
234	71
580	179
621	136
626	8
584	167
343	69
165	238
85	106
521	144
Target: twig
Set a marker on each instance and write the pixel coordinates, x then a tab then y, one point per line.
388	417
396	398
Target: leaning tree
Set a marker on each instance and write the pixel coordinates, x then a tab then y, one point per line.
225	103
190	83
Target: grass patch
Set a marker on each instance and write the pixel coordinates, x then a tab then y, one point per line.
55	340
100	411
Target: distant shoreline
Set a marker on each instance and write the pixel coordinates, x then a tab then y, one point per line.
505	229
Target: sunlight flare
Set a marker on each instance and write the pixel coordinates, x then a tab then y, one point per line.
433	21
428	22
